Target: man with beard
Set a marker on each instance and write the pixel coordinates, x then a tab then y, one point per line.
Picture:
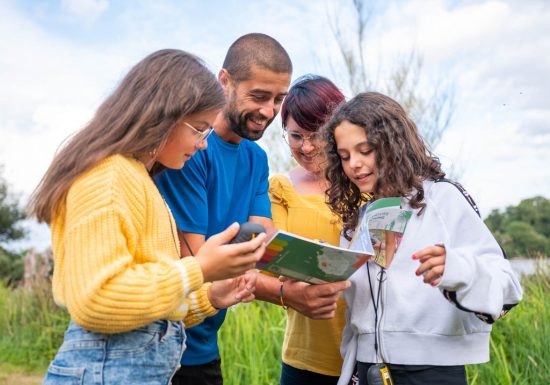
228	182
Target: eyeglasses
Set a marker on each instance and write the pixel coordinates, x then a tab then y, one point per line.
296	140
202	135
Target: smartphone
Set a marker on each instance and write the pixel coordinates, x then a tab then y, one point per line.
248	231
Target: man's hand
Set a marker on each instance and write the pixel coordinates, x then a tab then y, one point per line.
314	301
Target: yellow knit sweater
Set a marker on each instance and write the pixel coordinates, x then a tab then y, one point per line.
116	253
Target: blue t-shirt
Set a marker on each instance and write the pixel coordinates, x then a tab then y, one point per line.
223	184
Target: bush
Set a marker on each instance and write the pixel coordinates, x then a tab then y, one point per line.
11	267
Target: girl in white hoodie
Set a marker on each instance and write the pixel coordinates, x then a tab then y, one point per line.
429	313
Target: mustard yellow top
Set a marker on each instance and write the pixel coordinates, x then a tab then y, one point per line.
312	345
117	260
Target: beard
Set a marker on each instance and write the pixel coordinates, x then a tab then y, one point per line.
238	122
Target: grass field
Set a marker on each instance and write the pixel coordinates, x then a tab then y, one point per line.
32	329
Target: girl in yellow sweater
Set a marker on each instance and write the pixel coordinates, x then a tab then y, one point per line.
117	266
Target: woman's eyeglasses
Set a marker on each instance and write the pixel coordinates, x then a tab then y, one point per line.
296	140
201	134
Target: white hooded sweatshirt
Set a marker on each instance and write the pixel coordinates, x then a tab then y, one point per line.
417	323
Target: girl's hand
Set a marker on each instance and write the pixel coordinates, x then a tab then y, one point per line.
219	260
223	294
432	263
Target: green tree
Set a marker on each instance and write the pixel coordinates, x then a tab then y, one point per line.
494	221
10	215
523	230
525	240
534	211
11	264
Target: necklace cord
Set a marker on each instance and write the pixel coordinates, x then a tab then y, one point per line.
375	305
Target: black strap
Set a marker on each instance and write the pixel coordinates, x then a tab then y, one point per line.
451	295
463	191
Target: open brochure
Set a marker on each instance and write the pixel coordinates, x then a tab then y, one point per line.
380	229
293	256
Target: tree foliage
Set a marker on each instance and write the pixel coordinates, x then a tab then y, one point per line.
10	215
523	230
11	264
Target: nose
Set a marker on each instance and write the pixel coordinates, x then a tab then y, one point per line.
355	161
307	146
268	110
202	145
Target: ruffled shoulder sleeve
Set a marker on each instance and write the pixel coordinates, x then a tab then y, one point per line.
280	190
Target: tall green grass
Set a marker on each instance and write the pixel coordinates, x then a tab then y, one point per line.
250	344
520	342
31	330
31	327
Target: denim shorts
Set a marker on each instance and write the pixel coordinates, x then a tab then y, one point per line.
149	355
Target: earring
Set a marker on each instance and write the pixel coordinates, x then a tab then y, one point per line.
153	153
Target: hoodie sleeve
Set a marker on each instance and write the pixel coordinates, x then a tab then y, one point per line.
477	278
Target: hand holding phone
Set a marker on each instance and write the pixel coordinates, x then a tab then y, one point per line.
247	231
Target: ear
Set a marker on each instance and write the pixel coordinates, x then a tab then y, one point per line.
225	81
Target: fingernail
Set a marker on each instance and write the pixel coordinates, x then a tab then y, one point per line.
433	283
417	273
414	257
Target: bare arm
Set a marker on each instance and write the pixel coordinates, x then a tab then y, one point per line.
194	240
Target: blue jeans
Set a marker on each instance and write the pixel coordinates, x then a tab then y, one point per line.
147	355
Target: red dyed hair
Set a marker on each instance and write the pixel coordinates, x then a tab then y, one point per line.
311	101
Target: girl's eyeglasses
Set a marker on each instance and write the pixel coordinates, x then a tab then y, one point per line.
202	135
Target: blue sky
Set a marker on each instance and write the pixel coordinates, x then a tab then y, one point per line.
60	59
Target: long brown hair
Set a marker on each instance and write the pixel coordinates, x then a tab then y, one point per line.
135	120
402	158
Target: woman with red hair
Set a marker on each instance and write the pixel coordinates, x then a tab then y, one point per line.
311	346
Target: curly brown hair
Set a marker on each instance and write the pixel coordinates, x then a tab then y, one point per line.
403	160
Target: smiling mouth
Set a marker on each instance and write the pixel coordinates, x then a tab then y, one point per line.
258	122
363	177
308	157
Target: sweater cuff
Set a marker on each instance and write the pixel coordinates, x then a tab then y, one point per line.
199	306
191	275
458	272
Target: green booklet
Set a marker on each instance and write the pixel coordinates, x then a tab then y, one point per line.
315	262
380	229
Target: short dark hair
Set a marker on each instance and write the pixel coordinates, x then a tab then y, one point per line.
256	49
311	101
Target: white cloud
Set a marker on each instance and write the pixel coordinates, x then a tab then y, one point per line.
85	9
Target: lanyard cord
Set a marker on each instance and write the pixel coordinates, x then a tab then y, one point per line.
170	216
375	305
